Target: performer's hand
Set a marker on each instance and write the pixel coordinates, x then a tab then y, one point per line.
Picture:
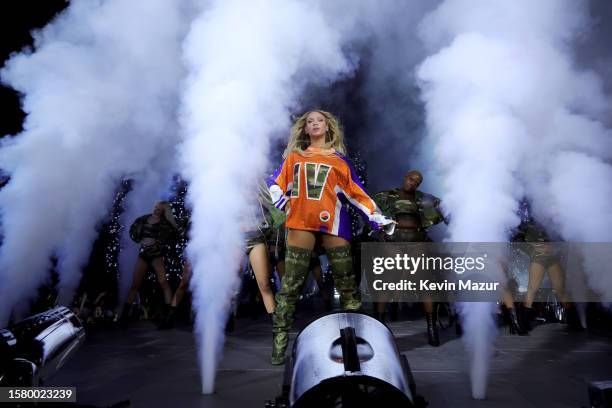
279	198
384	223
389	228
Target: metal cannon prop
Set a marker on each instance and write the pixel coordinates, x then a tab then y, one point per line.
346	359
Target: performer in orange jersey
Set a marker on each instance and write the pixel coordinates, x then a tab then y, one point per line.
314	185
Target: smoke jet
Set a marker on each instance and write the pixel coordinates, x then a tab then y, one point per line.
99	90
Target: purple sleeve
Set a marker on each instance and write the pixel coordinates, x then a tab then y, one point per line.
355	180
280	189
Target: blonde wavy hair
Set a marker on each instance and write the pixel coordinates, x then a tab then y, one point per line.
168	215
299	140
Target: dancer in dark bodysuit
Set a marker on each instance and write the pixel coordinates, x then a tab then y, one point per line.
152	232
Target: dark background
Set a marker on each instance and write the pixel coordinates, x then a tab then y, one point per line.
17	20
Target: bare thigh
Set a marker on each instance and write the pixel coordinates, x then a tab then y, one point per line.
140	271
261	267
536	274
557	279
301	239
332	241
186	276
160	270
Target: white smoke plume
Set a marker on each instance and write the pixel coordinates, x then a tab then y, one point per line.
238	94
100	93
508	116
479	332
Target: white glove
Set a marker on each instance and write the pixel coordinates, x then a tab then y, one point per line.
279	199
386	224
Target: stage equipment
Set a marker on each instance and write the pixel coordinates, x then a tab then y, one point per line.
600	394
346	359
35	348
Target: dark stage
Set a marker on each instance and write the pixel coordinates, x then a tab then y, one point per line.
151	368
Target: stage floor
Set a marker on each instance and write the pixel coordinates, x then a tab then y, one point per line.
151	368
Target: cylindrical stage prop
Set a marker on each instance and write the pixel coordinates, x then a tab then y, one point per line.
35	348
347	359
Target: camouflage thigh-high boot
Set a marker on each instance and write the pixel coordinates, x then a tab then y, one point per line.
342	269
297	261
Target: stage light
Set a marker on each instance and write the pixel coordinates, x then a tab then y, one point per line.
35	348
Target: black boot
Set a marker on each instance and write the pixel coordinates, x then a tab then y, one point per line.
271	317
165	310
126	313
432	330
514	325
572	319
454	320
168	321
527	315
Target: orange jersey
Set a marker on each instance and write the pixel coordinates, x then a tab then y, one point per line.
318	185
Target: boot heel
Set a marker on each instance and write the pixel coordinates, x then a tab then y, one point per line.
432	330
515	326
527	315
